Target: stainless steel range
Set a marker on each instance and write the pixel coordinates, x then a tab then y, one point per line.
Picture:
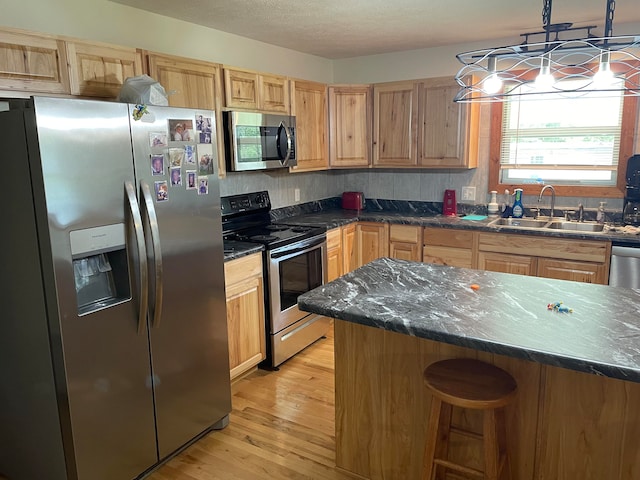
294	260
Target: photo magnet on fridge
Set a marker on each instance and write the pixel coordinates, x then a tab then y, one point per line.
203	185
190	154
175	176
191	180
181	130
203	128
205	159
157	164
157	139
176	156
162	191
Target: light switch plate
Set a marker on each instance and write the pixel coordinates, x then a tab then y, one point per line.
468	194
296	194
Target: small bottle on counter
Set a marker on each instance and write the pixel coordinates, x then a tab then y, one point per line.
600	214
518	209
492	208
505	208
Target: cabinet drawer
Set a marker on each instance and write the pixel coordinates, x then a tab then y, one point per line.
569	249
448	237
334	238
404	233
242	268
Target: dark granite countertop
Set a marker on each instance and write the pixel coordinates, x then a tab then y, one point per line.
507	315
337	217
234	249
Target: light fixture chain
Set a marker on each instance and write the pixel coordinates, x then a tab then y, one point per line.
608	23
546	17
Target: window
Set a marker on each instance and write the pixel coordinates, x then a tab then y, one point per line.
577	143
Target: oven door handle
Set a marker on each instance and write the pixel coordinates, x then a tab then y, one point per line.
306	248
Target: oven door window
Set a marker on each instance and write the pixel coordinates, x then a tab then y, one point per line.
298	275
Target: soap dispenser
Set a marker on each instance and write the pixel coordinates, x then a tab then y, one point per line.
600	215
492	208
518	209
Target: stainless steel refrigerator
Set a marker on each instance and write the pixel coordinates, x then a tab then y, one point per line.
113	331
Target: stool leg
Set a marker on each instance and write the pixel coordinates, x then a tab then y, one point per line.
501	427
491	450
437	440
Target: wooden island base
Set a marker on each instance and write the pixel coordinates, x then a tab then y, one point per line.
563	424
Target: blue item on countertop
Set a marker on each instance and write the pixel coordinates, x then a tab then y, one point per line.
518	209
474	217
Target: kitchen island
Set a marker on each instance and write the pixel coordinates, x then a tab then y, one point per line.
576	415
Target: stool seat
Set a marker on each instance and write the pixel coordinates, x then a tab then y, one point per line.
470	383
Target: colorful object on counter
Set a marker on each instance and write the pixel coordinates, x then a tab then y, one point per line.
559	307
139	111
475	287
474	217
449	205
518	209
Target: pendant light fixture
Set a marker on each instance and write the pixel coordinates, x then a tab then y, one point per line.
595	64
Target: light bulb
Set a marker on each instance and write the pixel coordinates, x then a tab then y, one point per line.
544	80
492	84
604	76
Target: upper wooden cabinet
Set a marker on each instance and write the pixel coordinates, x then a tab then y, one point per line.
309	105
256	91
191	84
395	117
447	131
350	109
32	63
97	70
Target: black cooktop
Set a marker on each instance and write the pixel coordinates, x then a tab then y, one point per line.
245	218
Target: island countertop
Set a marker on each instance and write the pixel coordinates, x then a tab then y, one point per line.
506	315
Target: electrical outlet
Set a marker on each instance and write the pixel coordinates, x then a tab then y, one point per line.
468	194
296	194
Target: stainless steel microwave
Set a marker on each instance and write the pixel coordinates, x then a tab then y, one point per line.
258	141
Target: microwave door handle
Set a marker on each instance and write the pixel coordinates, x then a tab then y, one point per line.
136	219
152	220
287	132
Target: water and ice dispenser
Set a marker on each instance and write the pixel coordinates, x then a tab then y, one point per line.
100	267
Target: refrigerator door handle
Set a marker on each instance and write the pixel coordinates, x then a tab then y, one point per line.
152	219
142	256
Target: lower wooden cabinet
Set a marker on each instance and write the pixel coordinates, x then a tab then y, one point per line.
245	313
448	247
561	258
334	254
349	253
405	242
506	263
372	241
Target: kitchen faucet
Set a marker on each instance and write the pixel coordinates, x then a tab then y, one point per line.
553	198
580	212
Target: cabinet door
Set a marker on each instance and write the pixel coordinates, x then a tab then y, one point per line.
309	105
334	254
349	254
405	242
372	241
506	263
191	84
274	94
241	89
447	130
349	126
395	117
100	70
586	272
32	63
245	313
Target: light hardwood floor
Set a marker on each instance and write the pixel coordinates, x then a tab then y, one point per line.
281	427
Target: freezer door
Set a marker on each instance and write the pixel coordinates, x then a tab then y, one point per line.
175	163
81	158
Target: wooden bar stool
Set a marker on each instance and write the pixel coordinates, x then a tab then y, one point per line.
467	383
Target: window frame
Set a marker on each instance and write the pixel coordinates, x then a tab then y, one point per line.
626	150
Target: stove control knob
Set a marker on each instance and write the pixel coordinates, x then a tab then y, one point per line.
261	200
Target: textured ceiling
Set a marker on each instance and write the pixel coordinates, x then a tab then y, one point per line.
349	28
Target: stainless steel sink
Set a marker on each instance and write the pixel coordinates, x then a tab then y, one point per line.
520	222
577	226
